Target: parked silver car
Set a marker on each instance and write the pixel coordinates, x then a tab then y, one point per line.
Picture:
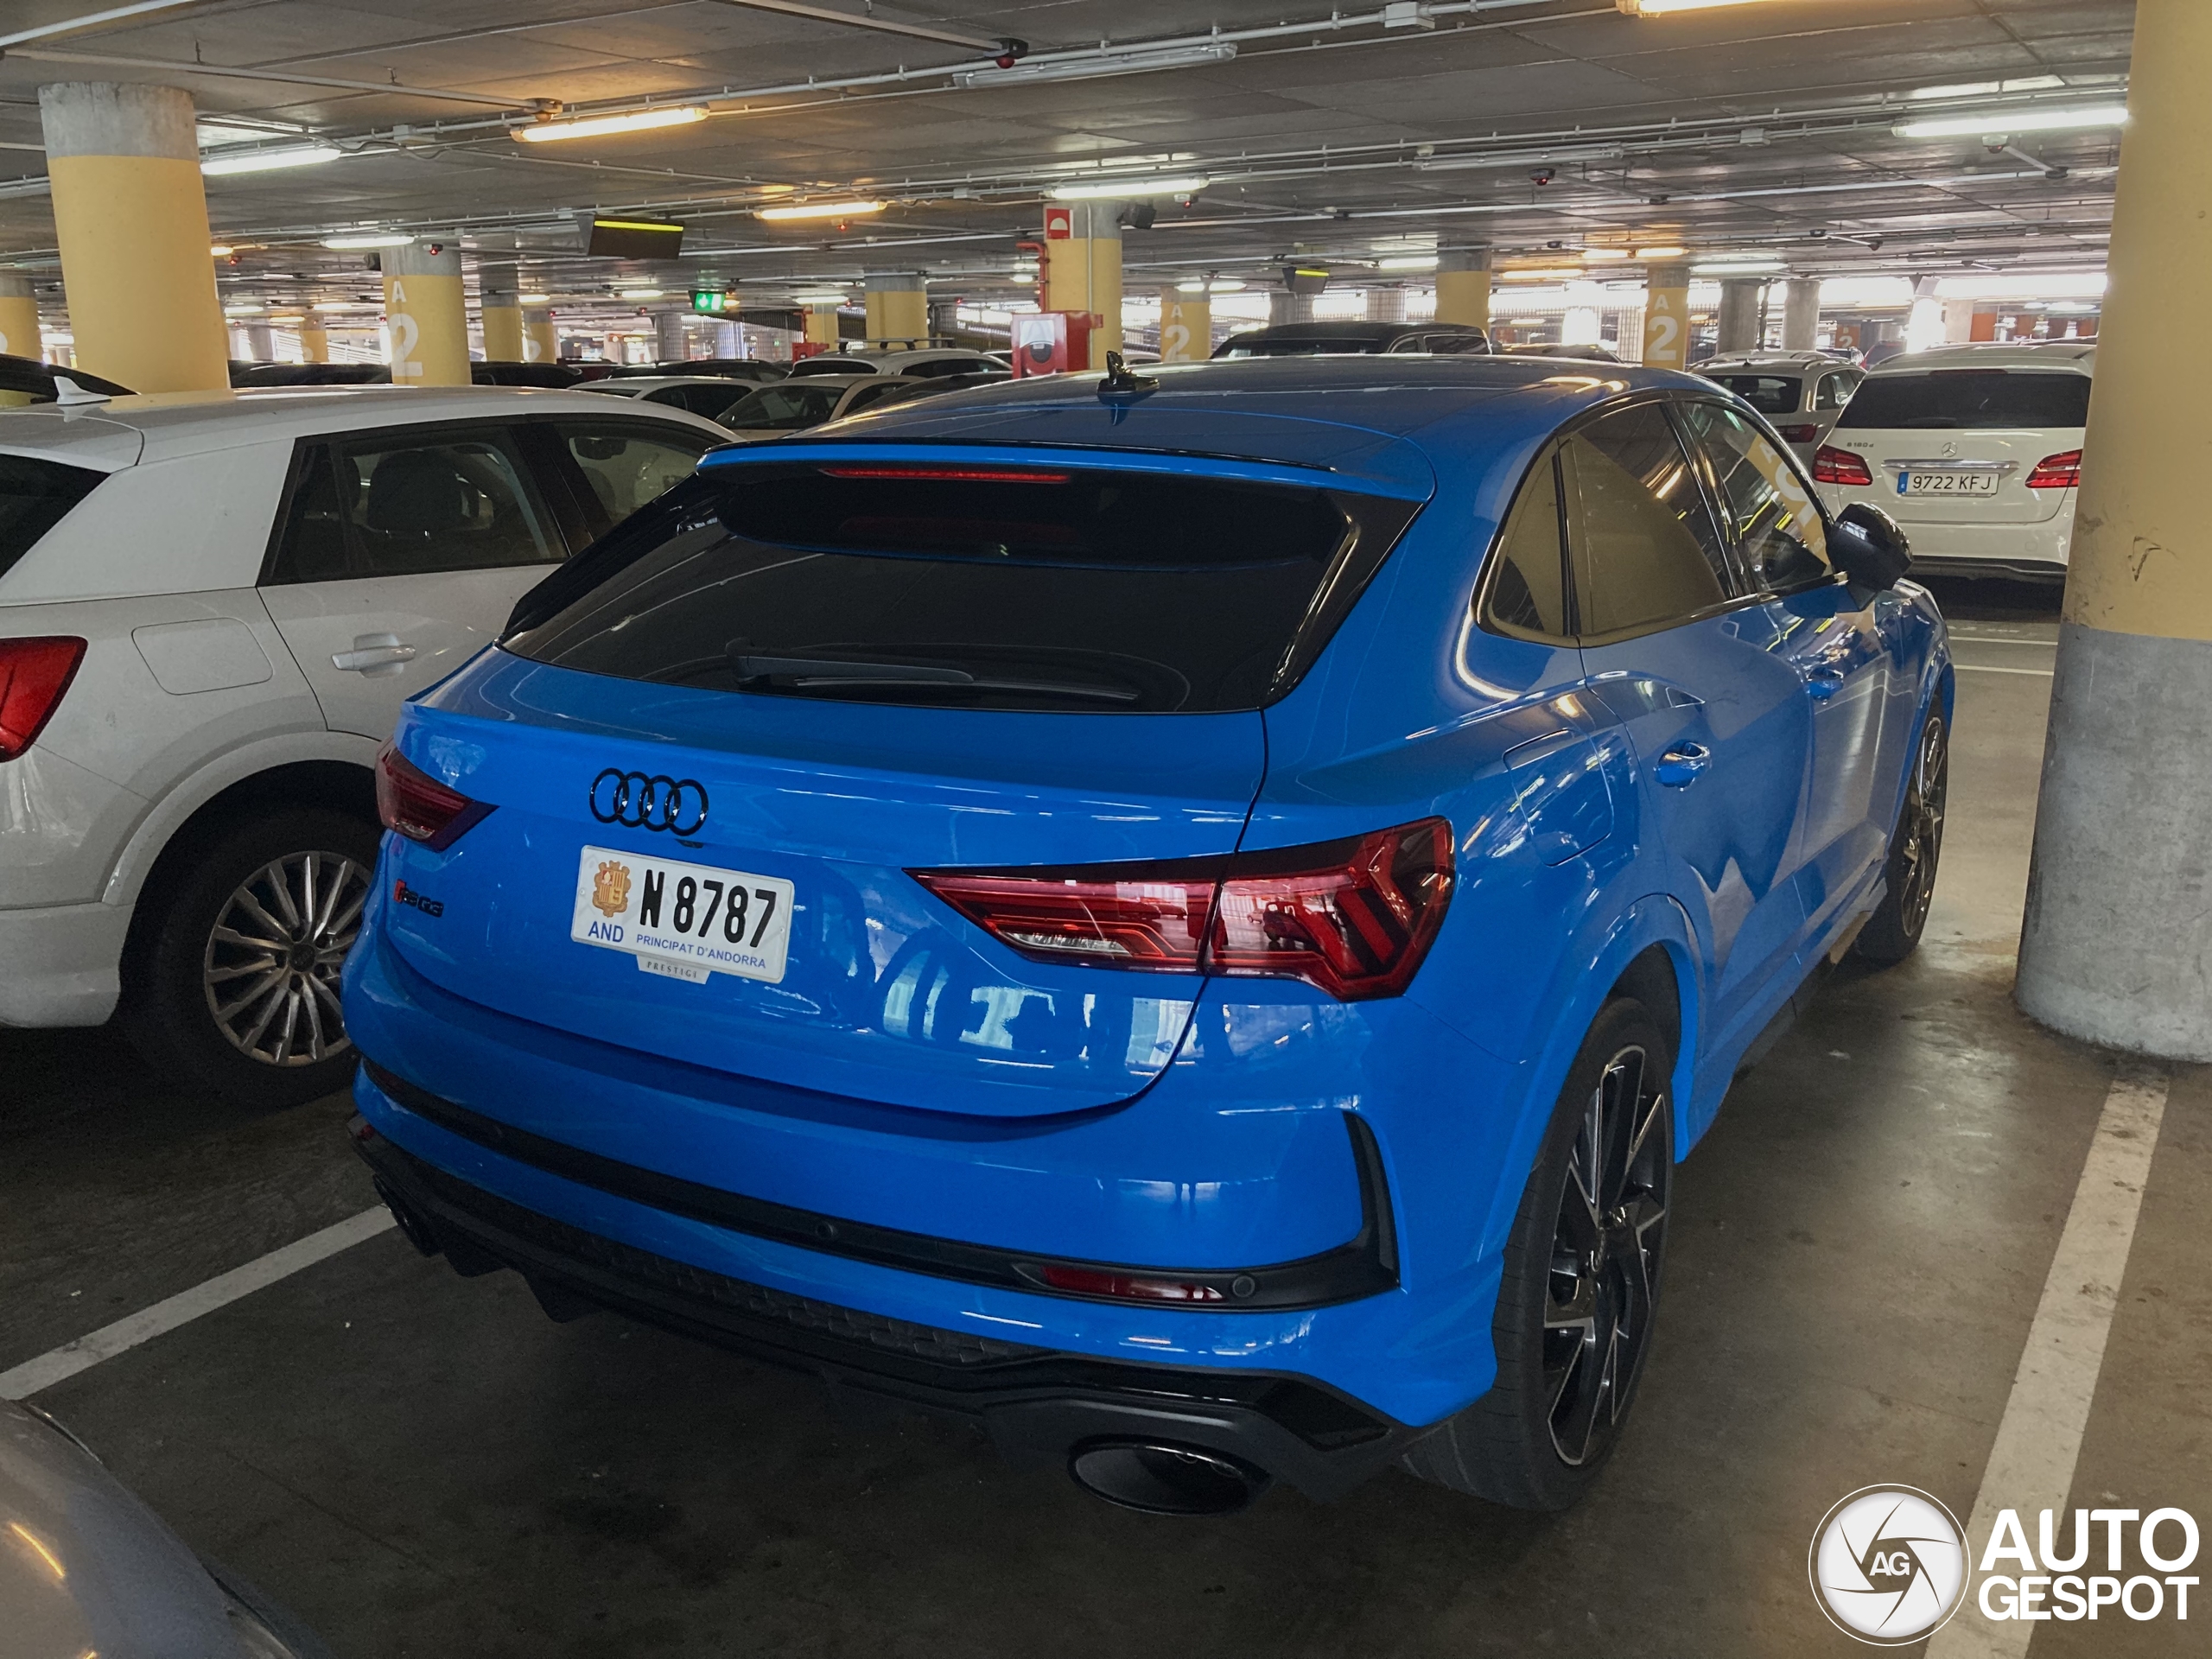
1801	392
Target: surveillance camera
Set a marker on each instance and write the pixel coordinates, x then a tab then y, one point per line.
1816	231
1542	175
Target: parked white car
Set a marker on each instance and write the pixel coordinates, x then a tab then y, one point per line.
1976	450
923	362
1801	393
703	394
211	606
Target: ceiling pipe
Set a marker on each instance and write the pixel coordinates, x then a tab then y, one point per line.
175	66
94	19
997	45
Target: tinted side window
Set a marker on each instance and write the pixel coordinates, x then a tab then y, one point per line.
412	502
1526	594
1646	551
627	464
1834	390
1777	527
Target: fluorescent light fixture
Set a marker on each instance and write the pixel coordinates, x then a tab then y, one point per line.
1988	88
220	250
268	161
1549	274
1666	252
1526	322
1090	66
354	241
240	308
1219	285
819	209
1660	8
638	293
1741	257
2008	122
347	305
602	126
1407	262
1116	189
1603	253
537	299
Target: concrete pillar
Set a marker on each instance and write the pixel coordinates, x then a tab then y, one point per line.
729	339
425	317
1739	313
669	345
499	302
1801	315
1630	346
259	346
821	327
315	341
1666	317
898	307
131	214
1083	272
1283	306
1958	321
19	335
1463	286
1386	305
1186	327
2117	947
539	342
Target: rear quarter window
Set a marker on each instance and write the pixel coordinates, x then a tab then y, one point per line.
1967	399
1082	589
34	496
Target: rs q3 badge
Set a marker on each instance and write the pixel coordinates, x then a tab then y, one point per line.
610	888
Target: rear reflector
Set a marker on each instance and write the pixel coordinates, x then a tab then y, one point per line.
1834	465
2062	471
34	673
1798	433
1354	917
421	807
1124	1287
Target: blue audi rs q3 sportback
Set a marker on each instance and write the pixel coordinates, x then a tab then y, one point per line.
1187	920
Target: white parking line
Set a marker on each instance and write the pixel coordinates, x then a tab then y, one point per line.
71	1358
1991	668
2031	1465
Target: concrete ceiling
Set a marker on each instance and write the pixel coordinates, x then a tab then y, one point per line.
1765	125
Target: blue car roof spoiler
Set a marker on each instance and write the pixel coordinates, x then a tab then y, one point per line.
1351	458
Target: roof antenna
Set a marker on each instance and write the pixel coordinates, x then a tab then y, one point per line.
1121	383
67	391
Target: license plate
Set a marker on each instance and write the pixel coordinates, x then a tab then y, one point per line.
1946	483
682	921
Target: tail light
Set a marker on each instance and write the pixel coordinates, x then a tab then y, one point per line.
2057	472
1354	917
34	673
421	807
1797	434
1834	465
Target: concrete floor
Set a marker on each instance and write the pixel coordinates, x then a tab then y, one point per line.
421	1465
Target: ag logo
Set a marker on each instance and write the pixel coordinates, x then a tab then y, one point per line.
1888	1564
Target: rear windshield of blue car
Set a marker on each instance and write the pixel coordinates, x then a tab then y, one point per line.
984	587
1967	399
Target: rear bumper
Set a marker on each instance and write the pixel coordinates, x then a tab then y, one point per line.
1040	1405
2032	552
60	963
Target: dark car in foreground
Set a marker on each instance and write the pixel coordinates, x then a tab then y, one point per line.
1189	917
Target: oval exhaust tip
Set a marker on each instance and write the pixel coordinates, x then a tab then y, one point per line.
1164	1479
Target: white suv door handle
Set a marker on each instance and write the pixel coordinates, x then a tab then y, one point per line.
374	655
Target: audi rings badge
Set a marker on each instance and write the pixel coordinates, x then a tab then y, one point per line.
640	801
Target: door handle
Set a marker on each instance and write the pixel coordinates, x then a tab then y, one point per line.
1680	764
374	656
1824	682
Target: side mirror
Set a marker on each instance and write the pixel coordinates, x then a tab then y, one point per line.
1871	549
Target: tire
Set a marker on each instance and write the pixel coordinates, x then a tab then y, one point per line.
258	1024
1580	1284
1892	933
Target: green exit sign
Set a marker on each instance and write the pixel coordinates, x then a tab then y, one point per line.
712	301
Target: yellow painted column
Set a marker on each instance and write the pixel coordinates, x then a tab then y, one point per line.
2117	945
821	327
541	341
1185	329
314	342
1667	318
131	214
1082	272
1463	287
426	319
19	334
898	309
499	303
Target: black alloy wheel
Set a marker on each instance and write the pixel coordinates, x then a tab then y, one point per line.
1892	933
